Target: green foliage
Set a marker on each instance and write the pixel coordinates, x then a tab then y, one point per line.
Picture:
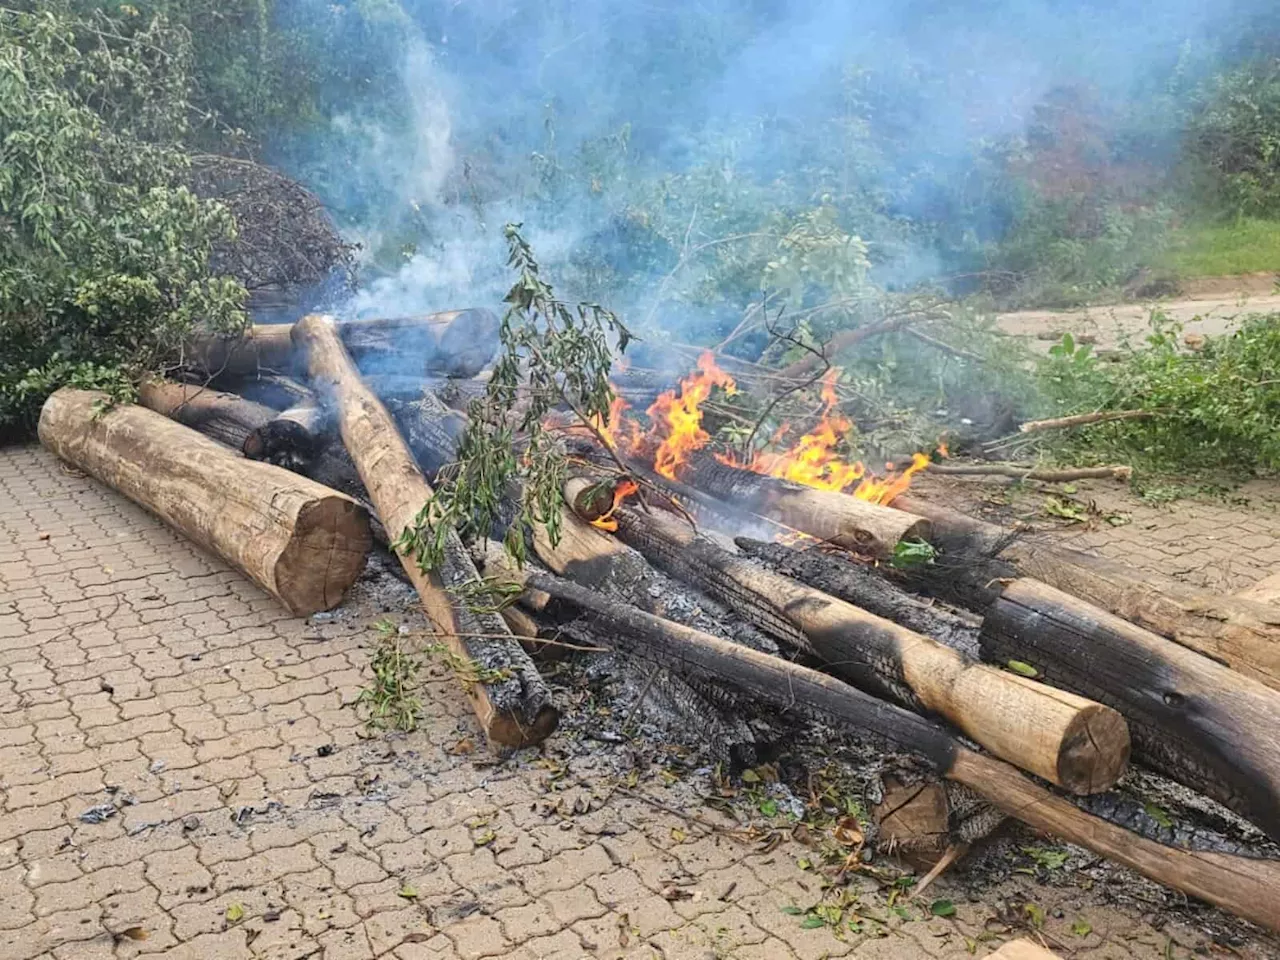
551	354
1233	140
1217	407
104	253
913	553
390	701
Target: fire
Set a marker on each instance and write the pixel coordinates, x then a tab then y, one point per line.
624	489
617	423
883	490
813	460
682	417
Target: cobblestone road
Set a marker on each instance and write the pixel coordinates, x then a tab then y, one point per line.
182	773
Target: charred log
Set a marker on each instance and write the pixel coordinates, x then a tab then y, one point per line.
510	699
1195	721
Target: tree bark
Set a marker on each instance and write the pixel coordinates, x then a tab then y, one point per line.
1240	633
1066	739
858	585
303	543
1191	719
269	389
834	517
514	706
224	417
1249	888
1085	419
265	348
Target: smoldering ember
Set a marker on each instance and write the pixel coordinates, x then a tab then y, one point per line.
564	481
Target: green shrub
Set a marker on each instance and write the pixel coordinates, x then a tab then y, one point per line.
104	252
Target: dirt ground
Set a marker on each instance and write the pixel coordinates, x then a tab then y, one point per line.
1210	305
182	772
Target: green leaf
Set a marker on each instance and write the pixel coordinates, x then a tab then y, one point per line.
408	892
913	553
812	923
1022	669
1035	913
1158	814
1082	927
235	913
793	911
769	808
942	908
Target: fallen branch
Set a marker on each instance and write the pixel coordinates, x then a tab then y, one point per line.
846	339
1029	472
1085	419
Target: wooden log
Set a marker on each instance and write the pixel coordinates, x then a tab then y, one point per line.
512	702
857	584
264	348
1264	591
303	543
293	435
1240	633
1195	721
1068	740
272	390
914	821
1247	887
457	343
830	516
225	417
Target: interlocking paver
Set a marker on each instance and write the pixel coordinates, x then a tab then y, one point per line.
138	672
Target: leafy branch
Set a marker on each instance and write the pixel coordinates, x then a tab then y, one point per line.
553	354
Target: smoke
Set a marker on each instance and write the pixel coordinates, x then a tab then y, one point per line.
624	134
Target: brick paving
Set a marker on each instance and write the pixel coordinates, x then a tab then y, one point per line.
182	773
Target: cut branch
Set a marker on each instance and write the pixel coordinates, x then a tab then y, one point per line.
225	417
511	700
843	341
301	542
1030	472
1085	419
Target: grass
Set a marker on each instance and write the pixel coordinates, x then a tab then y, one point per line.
1246	245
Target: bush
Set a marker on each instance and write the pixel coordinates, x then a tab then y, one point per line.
1233	140
104	251
1217	406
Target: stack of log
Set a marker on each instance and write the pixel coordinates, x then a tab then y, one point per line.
1035	681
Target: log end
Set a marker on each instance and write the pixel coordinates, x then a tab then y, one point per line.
327	553
505	728
1094	752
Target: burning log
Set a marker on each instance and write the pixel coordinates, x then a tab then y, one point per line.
1240	633
510	699
1066	739
827	515
303	543
269	389
224	417
1191	719
858	585
1247	887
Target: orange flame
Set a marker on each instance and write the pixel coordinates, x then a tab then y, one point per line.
617	429
623	490
813	460
883	490
682	415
